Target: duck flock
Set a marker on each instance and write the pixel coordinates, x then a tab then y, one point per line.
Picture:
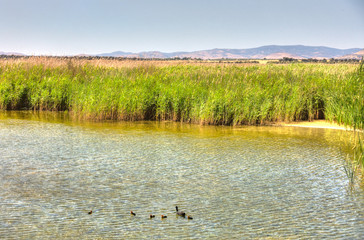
179	213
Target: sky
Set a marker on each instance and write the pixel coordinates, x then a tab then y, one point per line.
69	27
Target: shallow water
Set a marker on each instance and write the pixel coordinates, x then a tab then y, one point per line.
237	183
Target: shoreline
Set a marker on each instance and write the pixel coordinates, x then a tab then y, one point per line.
304	124
314	124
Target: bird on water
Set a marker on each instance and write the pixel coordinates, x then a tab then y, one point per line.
90	212
132	213
163	216
151	216
180	213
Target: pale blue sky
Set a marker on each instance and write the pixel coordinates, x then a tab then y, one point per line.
61	27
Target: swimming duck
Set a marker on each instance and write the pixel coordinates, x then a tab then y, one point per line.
180	213
151	216
132	213
189	217
90	212
163	216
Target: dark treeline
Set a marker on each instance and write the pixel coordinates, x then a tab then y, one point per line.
219	60
314	60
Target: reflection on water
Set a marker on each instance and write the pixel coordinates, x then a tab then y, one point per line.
248	182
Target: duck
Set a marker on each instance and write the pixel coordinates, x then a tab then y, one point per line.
180	213
90	212
163	216
132	213
189	217
151	216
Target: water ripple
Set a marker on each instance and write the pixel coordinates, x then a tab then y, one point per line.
245	183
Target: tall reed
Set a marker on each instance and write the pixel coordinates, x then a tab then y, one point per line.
216	94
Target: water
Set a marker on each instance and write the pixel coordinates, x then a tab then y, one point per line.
237	183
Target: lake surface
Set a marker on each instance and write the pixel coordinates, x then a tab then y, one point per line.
237	183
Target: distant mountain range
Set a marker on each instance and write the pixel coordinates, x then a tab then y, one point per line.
268	52
11	54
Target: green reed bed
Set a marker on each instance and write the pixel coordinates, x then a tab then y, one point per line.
208	94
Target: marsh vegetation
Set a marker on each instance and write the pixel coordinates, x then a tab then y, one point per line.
212	93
